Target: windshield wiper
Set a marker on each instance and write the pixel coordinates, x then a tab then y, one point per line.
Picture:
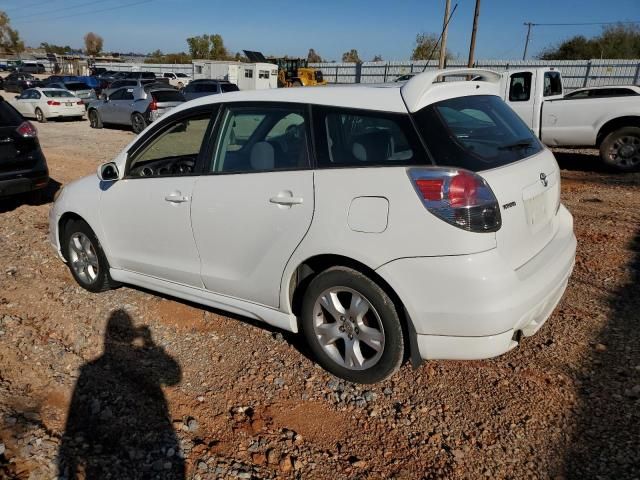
524	143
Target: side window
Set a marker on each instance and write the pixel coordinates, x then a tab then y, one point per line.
127	94
117	95
365	138
552	84
254	139
520	87
174	151
36	95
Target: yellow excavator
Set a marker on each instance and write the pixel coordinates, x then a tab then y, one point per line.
292	72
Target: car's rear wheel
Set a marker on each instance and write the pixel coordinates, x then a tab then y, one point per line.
138	123
40	116
85	257
352	326
621	149
94	119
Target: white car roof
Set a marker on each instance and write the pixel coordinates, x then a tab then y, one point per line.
635	88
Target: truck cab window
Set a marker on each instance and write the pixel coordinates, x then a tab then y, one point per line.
520	87
552	84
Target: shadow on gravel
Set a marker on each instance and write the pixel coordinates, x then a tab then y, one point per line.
118	425
40	197
579	161
606	443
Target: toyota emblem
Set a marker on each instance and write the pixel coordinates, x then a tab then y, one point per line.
543	179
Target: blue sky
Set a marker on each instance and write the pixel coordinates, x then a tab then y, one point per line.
331	27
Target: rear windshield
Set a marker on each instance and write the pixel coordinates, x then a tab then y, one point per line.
229	87
76	86
204	87
476	133
147	75
167	96
57	93
9	117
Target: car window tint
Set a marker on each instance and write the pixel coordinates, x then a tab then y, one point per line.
552	84
57	94
520	87
228	87
127	94
477	133
167	96
262	139
117	95
363	138
9	117
181	140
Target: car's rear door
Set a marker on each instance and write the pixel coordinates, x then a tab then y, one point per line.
254	203
122	107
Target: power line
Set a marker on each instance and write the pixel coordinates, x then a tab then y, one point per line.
46	12
88	13
579	24
28	5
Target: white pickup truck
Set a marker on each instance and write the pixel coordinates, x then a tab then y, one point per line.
611	124
178	80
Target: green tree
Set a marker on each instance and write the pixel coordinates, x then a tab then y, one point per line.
427	47
10	40
207	47
313	57
616	42
351	56
51	48
93	44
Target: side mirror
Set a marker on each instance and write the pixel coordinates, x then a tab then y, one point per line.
108	172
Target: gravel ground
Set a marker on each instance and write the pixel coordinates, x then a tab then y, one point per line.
131	384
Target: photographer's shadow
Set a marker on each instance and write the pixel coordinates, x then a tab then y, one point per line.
118	426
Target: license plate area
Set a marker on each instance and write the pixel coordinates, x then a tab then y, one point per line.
540	204
68	104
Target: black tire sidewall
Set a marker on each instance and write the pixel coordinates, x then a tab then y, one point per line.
133	123
41	118
102	282
393	353
610	139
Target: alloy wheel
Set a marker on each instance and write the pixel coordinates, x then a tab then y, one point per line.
625	151
83	257
348	328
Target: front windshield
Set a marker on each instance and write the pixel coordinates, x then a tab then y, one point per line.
57	94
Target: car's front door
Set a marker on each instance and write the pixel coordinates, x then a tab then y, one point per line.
254	203
146	215
106	108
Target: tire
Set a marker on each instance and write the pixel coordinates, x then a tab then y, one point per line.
339	342
138	123
621	149
296	83
85	258
94	119
40	116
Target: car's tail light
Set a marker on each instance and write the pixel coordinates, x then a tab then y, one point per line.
154	105
459	197
27	130
52	102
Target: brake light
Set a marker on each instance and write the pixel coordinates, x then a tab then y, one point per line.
27	130
153	105
52	102
459	197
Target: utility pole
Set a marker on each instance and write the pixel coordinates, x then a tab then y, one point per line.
526	43
472	47
445	29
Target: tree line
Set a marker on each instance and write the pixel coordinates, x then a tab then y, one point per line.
618	41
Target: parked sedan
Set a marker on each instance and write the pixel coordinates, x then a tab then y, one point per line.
137	106
202	88
17	82
49	102
79	89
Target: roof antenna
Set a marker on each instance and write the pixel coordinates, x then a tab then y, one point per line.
433	50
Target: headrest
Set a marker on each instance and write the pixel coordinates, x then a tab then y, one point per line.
262	156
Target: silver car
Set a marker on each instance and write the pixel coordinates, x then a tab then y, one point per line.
81	90
138	106
127	82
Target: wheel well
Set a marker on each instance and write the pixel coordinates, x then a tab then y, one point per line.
615	124
311	267
62	224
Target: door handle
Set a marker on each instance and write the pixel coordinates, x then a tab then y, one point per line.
176	197
286	200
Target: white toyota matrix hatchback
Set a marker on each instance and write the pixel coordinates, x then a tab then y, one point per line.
419	220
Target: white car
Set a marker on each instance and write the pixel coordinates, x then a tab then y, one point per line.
421	219
178	80
45	103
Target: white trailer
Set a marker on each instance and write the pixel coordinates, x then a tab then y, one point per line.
247	76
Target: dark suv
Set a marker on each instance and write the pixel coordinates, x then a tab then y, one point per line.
23	167
17	82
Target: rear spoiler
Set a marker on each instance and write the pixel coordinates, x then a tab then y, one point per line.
413	91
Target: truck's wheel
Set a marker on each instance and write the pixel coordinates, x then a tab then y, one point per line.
621	149
296	83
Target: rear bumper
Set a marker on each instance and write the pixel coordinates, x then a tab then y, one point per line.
15	186
79	111
470	306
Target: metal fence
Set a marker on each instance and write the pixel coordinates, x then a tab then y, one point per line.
157	68
576	73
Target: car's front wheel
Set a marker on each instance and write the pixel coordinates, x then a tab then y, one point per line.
85	257
352	326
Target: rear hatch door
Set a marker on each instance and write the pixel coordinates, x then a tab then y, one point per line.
166	99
